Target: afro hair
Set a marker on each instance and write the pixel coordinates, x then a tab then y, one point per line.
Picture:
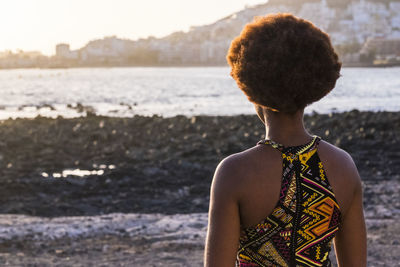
283	62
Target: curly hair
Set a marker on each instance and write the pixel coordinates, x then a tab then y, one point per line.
283	62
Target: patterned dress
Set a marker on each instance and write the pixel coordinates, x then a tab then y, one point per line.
300	229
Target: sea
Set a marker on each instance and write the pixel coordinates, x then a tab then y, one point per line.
167	91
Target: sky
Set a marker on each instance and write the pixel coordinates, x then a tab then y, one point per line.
41	24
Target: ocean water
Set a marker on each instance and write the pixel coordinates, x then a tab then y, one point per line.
172	91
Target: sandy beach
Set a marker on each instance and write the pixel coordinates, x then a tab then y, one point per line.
144	198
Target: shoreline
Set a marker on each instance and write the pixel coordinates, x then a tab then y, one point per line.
144	191
345	65
95	165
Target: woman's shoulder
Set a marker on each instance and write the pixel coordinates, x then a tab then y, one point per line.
237	170
247	161
335	156
234	166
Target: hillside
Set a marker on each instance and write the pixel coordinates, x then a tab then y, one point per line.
350	24
364	32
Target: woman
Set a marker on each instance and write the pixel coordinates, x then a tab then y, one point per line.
263	214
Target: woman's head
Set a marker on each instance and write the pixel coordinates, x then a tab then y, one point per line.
283	63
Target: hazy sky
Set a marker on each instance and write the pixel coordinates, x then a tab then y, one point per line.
41	24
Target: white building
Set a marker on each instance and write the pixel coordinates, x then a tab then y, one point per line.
63	51
108	47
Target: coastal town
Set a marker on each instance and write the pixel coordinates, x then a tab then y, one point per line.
364	33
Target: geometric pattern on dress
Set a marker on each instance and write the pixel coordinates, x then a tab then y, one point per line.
300	229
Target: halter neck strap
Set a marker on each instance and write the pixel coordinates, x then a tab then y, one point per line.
295	150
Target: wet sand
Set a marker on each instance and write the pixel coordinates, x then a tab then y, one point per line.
156	165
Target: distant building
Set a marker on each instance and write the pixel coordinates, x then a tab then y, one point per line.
382	46
6	53
21	59
107	48
63	51
381	51
30	54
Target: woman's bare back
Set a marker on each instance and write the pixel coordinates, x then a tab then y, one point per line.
255	180
262	182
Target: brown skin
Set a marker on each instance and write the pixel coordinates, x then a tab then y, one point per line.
245	190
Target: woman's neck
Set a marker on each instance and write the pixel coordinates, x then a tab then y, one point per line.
287	129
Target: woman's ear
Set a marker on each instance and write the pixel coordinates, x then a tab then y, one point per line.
260	112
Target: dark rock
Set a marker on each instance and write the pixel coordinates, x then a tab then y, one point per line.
162	165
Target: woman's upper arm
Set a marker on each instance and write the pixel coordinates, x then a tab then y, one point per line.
350	241
224	221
